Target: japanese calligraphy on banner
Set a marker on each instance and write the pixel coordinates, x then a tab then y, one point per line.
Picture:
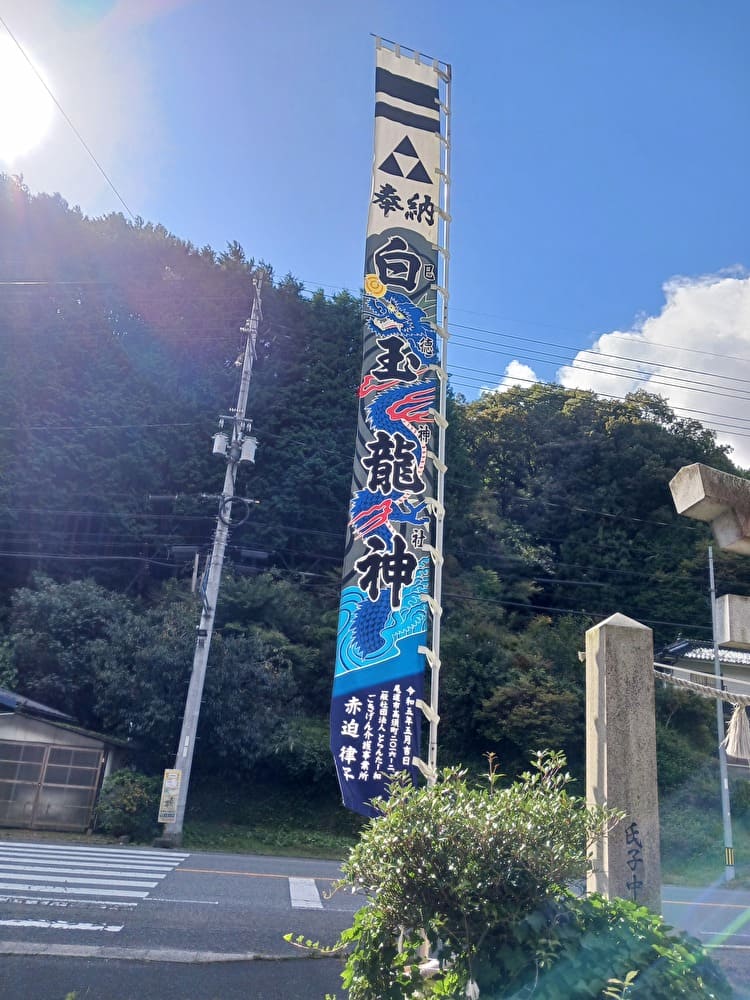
383	620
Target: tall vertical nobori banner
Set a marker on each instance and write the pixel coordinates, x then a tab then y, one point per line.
390	614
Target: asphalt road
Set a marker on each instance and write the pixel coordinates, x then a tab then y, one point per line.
130	924
123	902
52	978
113	923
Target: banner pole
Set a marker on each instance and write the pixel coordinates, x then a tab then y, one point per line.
442	329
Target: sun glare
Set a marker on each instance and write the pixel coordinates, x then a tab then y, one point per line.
25	106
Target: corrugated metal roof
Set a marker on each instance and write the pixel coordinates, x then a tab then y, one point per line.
44	713
17	702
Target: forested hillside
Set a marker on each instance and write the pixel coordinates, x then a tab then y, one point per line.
119	346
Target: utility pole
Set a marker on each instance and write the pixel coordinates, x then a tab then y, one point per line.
726	814
240	447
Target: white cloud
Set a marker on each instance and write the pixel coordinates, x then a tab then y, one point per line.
695	353
516	373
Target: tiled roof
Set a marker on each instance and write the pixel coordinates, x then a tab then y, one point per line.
705	654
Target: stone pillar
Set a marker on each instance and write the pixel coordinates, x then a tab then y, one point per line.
621	759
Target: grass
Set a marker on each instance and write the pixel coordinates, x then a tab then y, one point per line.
692	852
263	818
233	838
258	818
268	817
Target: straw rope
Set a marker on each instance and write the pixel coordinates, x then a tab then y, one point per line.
737	741
703	690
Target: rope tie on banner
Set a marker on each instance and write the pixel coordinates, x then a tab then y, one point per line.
737	741
429	655
435	507
441	466
438	418
437	557
429	713
432	604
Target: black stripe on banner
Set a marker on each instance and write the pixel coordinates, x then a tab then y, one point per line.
383	110
405	89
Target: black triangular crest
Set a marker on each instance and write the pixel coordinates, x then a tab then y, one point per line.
390	166
418	173
406	147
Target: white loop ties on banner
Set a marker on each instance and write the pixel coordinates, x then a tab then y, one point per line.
438	418
432	604
437	557
440	466
435	507
429	655
427	711
428	772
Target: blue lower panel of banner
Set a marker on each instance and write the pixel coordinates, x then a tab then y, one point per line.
375	732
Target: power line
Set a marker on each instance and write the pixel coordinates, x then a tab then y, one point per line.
84	558
486	345
629	374
313	286
588	351
67	119
473	381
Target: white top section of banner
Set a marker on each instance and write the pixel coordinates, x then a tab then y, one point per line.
407	154
404	65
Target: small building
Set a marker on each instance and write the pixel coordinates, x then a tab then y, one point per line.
694	661
51	770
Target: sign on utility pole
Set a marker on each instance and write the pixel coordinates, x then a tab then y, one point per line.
237	445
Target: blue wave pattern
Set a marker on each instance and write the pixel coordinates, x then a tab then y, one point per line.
383	620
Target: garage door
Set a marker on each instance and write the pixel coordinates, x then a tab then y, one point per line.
48	787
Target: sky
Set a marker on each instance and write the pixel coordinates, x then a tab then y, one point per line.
599	165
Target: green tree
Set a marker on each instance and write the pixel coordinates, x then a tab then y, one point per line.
55	634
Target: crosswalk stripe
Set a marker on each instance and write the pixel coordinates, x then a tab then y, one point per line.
304	894
103	904
67	879
49	862
50	870
62	925
121	851
105	857
73	890
61	875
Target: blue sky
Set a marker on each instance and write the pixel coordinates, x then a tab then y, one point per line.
599	165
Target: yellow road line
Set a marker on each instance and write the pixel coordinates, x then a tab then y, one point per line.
219	871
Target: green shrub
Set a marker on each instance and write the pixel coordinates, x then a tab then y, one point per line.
129	805
688	832
481	873
678	758
740	793
588	943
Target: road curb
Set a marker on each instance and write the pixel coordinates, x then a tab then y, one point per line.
139	954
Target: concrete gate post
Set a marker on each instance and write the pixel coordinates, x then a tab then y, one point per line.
621	759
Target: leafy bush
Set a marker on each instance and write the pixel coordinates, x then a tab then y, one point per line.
129	805
740	794
480	875
588	943
688	832
678	757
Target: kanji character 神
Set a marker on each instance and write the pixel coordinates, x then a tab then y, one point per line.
382	568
